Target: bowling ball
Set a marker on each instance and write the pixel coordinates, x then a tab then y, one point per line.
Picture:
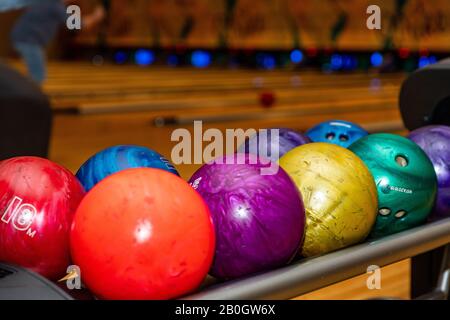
117	158
38	199
405	180
267	99
266	144
342	133
339	194
142	234
435	141
259	218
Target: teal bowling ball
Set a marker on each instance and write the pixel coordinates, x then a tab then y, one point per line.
405	178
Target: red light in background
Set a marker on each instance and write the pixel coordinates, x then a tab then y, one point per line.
424	52
311	52
404	53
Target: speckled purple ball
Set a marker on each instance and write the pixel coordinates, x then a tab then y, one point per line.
263	144
435	141
259	219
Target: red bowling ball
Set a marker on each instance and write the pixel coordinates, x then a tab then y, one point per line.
142	234
38	199
267	99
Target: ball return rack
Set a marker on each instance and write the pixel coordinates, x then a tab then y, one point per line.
298	278
427	245
307	275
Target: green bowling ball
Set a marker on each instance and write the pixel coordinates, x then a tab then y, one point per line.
405	178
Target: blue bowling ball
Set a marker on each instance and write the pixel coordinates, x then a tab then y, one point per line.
118	158
265	144
342	133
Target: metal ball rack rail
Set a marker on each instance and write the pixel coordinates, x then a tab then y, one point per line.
310	274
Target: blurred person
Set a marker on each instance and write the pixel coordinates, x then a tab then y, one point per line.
38	26
15	4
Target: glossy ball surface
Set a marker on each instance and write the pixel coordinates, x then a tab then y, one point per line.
341	133
273	144
259	219
118	158
38	199
405	179
435	141
142	234
339	194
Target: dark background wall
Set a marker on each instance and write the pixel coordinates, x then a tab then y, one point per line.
262	24
275	24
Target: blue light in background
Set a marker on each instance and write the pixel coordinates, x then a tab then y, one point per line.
432	59
269	62
376	59
336	62
355	62
424	61
296	56
120	57
266	61
200	59
144	57
349	62
172	60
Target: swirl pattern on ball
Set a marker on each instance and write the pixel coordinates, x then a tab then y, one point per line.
118	158
435	141
265	143
259	219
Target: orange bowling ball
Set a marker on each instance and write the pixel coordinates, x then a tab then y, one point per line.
142	234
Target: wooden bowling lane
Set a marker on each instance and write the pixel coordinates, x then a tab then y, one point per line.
119	105
148	85
76	137
249	100
394	284
186	94
321	97
130	87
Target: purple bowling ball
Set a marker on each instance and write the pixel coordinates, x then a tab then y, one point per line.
259	219
264	143
435	141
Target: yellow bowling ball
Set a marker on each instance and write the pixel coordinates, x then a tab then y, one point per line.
339	193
